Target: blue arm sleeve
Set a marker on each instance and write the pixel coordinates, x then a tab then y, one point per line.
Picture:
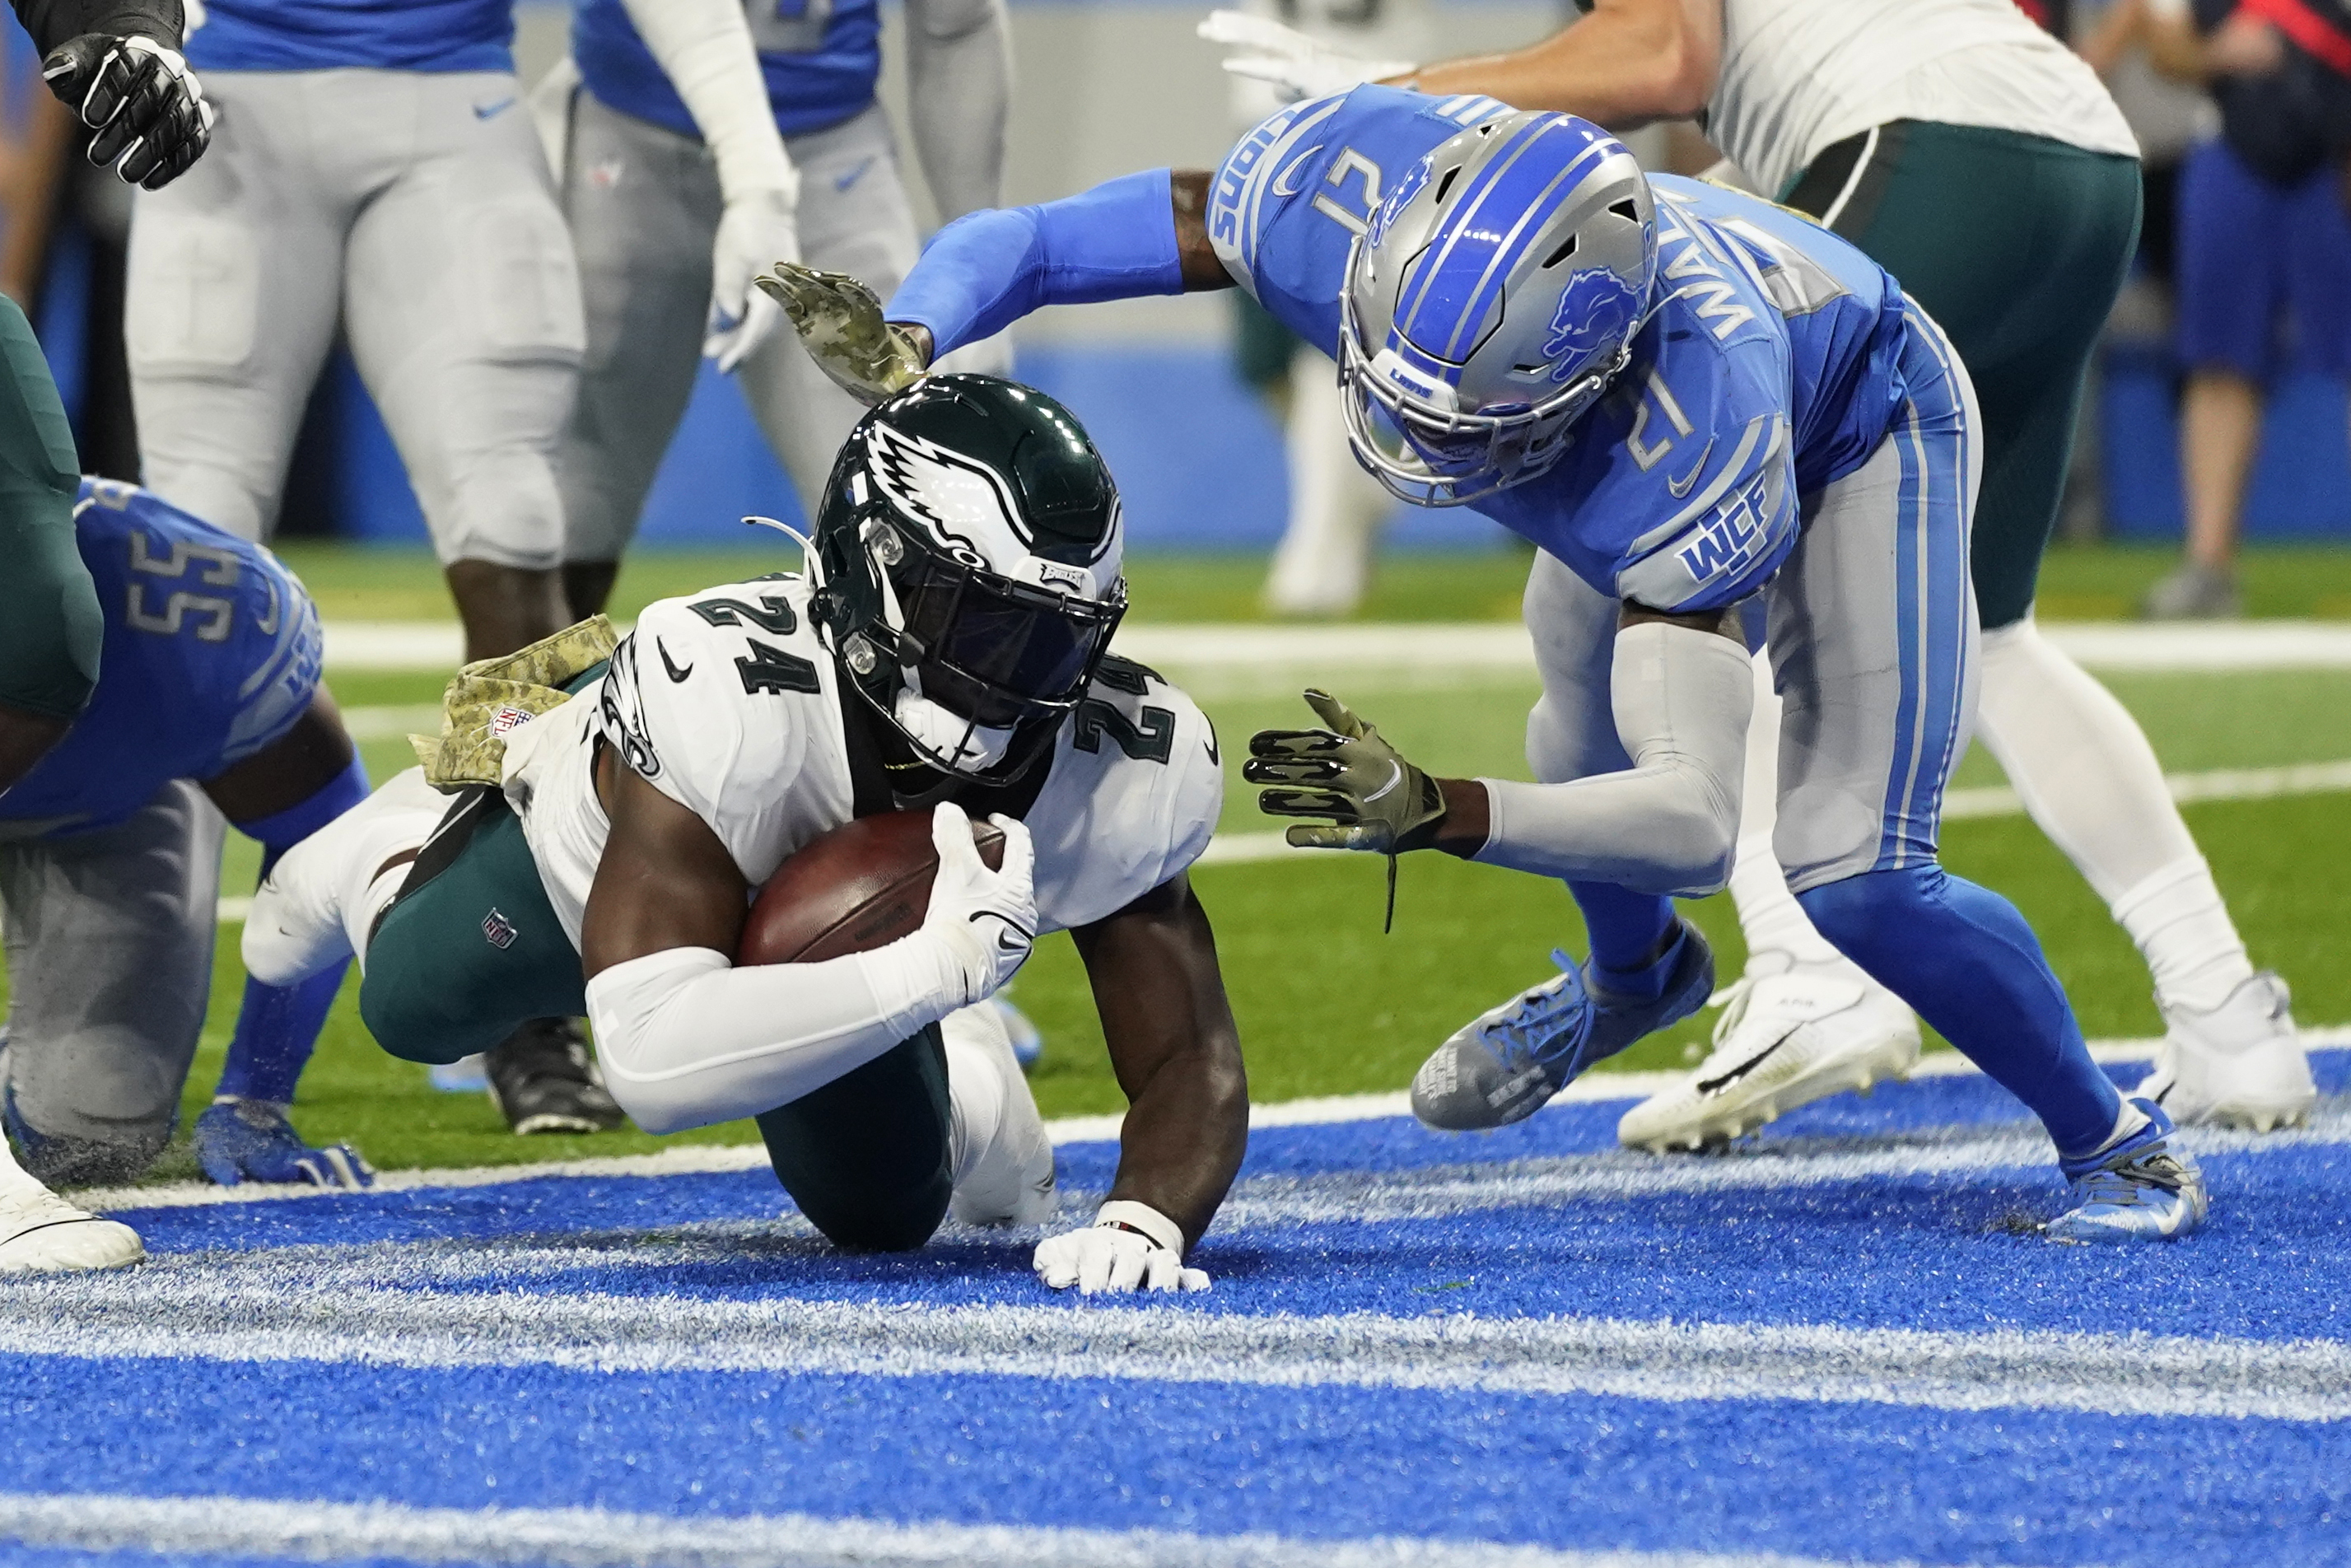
985	270
277	1026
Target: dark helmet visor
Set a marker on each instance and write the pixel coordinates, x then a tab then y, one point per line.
997	649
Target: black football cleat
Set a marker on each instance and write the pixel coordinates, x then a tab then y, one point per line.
543	1079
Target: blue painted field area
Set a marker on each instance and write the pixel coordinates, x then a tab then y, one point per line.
1843	1342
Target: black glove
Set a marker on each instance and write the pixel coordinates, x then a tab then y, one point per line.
145	109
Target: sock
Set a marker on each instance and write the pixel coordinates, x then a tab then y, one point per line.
277	1028
1627	930
1779	935
1965	958
2184	931
2085	772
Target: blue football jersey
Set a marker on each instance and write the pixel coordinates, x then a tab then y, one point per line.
1766	371
212	652
821	58
328	35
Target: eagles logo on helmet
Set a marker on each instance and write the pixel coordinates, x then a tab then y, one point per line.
966	561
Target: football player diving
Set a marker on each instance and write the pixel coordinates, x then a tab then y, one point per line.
109	875
1961	146
1706	413
946	652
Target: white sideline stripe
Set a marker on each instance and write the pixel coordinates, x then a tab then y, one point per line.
1959	805
598	1538
691	1159
288	1315
1484	645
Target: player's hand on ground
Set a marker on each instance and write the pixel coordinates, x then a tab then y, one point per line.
985	919
755	232
1345	773
1129	1247
143	105
840	319
1293	64
251	1140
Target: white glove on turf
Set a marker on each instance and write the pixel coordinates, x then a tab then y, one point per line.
1129	1247
1295	64
757	230
986	921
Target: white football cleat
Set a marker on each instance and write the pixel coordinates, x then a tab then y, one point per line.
997	1148
1784	1041
2239	1065
41	1233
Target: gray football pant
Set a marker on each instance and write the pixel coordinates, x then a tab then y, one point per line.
643	203
416	209
1872	636
110	939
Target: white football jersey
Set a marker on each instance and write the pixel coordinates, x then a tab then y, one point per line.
727	703
1799	76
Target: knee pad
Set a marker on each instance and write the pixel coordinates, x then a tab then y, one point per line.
883	1220
505	509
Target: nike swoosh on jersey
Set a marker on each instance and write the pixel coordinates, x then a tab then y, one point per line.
1679	488
677	675
492	110
845	180
1281	186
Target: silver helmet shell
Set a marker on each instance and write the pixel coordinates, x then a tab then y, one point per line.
1492	299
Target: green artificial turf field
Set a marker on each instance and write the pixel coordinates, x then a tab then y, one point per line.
1328	1005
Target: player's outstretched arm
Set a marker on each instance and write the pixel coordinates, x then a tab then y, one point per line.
1138	234
1626	64
280	796
1177	1052
116	63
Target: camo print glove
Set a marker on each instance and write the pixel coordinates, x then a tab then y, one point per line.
840	319
1375	799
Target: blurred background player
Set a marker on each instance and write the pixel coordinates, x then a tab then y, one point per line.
377	169
117	65
1323	566
1985	166
109	877
651	179
2264	249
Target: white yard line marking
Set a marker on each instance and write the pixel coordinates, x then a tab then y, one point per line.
285	1313
1497	646
599	1538
690	1159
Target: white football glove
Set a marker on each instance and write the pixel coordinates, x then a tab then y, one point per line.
985	920
1293	64
1129	1247
757	230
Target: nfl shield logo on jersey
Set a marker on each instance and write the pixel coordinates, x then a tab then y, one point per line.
499	929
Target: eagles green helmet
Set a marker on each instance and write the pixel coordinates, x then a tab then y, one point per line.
968	553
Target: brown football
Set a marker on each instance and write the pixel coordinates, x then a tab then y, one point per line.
859	887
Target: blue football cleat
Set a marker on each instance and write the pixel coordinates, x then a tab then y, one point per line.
2139	1190
1506	1064
251	1140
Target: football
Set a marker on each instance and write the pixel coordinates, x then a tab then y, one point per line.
861	886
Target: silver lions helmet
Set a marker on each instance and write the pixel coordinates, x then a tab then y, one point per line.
1494	296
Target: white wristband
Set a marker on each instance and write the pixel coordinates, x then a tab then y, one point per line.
1146	1220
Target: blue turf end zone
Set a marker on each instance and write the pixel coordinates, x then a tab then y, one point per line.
1846	1344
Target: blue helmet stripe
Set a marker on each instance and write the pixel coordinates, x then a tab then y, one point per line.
1438	262
1473	255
